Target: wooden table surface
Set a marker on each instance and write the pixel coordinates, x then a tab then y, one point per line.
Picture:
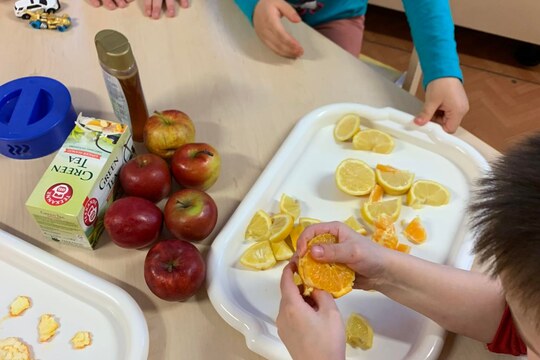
243	99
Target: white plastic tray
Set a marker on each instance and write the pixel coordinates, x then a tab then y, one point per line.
79	300
304	168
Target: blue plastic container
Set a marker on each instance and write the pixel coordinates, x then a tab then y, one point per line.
36	116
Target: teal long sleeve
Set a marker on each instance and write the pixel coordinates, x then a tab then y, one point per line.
432	31
431	24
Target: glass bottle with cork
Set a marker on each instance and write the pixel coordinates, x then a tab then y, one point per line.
122	80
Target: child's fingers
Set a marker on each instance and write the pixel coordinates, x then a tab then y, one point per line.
95	3
427	113
156	8
184	4
170	8
288	45
121	3
288	11
289	290
109	4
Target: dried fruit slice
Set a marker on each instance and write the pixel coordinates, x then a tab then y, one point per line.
373	140
259	227
415	231
259	256
19	305
47	327
281	227
371	211
355	177
289	205
14	349
393	181
337	279
347	127
427	192
359	332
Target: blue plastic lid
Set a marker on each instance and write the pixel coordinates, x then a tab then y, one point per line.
36	116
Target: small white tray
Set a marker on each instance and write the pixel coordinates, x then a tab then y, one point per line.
79	300
304	168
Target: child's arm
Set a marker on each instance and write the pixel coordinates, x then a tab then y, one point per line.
432	30
266	18
463	302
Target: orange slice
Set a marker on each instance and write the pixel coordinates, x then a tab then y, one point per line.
337	279
415	231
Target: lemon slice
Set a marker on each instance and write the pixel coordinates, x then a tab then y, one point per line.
393	181
426	192
281	227
359	332
259	227
355	177
258	256
371	211
281	250
306	221
347	127
289	205
373	140
355	225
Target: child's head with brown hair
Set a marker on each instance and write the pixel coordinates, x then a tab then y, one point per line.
506	219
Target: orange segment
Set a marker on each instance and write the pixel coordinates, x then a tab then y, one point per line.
415	231
404	248
385	232
337	279
376	194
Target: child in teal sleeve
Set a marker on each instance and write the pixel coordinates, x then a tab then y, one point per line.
152	8
343	22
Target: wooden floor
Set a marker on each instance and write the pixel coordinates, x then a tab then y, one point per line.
504	96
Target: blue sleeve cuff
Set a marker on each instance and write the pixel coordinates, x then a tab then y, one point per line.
247	7
432	30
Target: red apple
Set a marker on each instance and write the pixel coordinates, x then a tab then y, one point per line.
166	131
146	176
190	214
174	270
196	165
133	222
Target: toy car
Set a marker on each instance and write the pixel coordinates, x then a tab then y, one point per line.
41	20
24	7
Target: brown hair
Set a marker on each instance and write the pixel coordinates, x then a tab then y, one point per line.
505	216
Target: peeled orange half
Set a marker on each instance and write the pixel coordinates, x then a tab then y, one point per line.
337	279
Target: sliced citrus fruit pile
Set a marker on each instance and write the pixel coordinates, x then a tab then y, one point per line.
373	140
259	227
355	225
392	180
259	256
355	177
281	250
337	279
358	332
347	127
371	211
289	205
415	231
427	192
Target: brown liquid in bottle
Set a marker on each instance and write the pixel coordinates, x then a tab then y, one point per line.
137	108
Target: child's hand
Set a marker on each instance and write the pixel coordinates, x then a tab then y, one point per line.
268	26
110	4
309	332
446	103
152	8
359	253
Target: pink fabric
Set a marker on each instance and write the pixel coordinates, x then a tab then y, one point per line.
347	33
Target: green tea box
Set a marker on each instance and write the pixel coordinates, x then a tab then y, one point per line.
70	200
